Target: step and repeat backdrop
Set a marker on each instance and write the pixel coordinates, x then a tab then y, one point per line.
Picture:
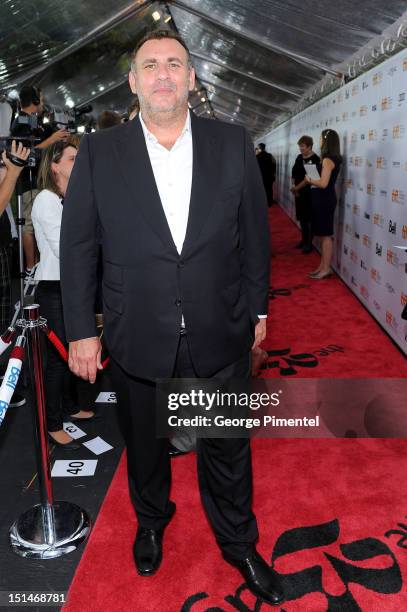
370	116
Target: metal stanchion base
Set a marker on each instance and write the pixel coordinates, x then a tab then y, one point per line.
72	527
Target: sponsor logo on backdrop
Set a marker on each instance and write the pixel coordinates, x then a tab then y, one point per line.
365	85
398	131
392	258
357	235
392	71
363	111
385	133
390	288
366	215
357	161
392	227
383	193
354	256
356	209
355	90
374	107
370	189
345	271
354	137
404	232
364	292
379	249
397	195
377	305
402	97
378	219
348	229
381	163
396	164
372	135
353	281
345	116
363	265
377	78
391	320
386	103
375	276
348	183
345	249
403	299
369	163
367	242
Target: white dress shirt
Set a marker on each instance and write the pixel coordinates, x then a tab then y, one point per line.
46	216
173	176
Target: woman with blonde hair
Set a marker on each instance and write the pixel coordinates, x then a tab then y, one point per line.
60	385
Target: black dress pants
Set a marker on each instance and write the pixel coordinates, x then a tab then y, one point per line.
62	388
224	465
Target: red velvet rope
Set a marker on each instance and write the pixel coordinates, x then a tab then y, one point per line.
53	338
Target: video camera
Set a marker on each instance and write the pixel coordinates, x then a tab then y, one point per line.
27	141
67	119
28	125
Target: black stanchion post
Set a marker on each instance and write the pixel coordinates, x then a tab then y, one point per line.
20	222
50	529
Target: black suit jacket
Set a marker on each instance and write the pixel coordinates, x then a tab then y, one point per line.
220	280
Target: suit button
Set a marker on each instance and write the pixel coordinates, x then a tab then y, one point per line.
181	264
177	302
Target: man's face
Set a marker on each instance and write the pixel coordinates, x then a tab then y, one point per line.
40	107
305	149
162	76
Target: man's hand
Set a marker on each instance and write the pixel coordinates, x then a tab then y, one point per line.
61	134
260	332
18	151
293	190
85	358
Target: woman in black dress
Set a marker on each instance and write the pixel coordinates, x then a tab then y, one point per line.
302	191
324	200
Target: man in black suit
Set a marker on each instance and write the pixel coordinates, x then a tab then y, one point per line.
268	167
179	208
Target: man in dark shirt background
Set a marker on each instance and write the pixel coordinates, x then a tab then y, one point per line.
32	104
267	165
302	191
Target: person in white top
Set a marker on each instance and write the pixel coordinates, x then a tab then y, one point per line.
60	384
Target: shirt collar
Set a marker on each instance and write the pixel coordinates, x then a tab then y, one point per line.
148	135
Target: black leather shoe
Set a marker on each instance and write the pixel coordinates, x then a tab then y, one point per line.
69	446
148	550
261	580
173	451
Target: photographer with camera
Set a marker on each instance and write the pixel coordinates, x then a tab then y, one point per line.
28	124
14	162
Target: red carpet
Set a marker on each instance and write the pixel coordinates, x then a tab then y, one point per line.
320	320
351	492
332	513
